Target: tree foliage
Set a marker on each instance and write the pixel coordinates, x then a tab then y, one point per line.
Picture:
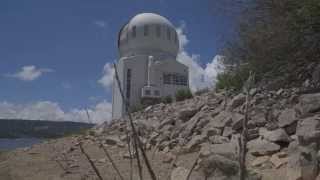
274	37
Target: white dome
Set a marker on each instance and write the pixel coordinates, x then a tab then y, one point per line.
148	34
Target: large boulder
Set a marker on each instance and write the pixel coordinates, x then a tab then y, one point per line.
303	164
187	113
308	130
236	101
277	136
287	117
213	162
229	150
260	147
309	103
223	119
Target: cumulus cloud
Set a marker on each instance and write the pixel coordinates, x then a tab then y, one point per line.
100	23
47	110
107	78
199	77
29	73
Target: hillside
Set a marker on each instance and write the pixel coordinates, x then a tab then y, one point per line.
15	128
203	131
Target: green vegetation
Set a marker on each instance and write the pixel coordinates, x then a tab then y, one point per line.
183	94
202	91
275	38
166	100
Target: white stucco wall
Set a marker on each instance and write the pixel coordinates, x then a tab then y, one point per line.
139	68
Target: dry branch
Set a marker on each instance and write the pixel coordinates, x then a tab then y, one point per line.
112	162
137	141
90	161
244	135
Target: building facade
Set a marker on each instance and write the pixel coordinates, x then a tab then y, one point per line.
147	67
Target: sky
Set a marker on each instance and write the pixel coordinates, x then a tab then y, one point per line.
56	56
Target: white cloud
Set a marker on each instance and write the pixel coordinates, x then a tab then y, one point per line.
199	77
29	73
107	78
47	110
100	23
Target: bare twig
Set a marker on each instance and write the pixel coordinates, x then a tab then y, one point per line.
192	168
130	153
244	134
91	162
112	162
136	141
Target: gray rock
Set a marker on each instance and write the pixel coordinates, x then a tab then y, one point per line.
227	131
211	131
179	173
112	140
209	164
308	130
165	122
236	101
221	120
309	103
218	140
187	113
229	150
188	128
278	135
237	120
303	164
260	147
194	142
287	117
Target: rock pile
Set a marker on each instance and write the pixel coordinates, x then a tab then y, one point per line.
284	133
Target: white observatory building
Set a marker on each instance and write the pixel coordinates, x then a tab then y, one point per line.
147	67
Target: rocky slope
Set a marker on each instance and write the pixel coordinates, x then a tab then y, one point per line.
284	134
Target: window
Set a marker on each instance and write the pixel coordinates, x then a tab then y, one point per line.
134	31
175	38
166	78
168	34
128	83
156	93
146	30
158	30
147	92
175	79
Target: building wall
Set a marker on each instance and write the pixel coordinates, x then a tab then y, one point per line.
139	68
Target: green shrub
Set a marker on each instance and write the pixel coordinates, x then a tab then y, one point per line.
166	100
183	94
201	91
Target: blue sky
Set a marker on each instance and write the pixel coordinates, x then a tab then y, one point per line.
65	45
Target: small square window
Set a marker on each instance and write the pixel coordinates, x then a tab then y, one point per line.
158	30
147	92
134	31
146	30
156	93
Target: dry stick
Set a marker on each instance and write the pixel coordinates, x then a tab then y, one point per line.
112	162
137	139
106	152
192	168
131	123
244	136
91	162
129	149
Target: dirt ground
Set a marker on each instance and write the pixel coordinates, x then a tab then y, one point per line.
62	159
